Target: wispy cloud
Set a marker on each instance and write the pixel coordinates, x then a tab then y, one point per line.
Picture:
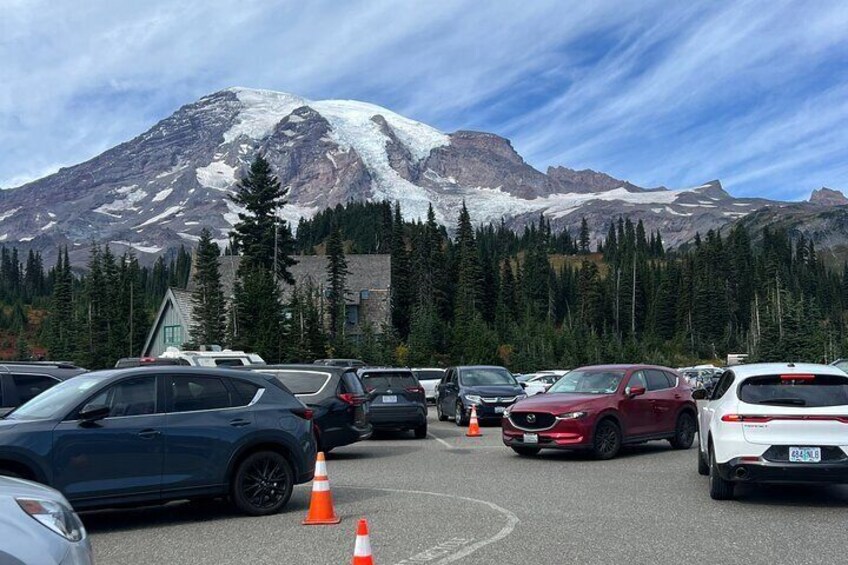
655	92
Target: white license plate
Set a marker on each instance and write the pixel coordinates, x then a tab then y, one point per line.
500	409
804	454
531	438
389	399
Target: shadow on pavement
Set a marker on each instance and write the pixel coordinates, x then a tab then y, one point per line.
174	513
821	496
362	451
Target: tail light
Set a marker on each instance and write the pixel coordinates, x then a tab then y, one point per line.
147	360
350	398
741	418
797	377
305	413
419	389
744	419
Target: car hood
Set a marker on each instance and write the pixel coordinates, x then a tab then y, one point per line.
10	486
561	402
493	390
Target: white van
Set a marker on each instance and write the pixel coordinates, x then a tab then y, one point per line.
214	357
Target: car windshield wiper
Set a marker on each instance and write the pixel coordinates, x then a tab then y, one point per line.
788	401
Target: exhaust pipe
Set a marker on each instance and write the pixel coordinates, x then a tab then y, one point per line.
741	473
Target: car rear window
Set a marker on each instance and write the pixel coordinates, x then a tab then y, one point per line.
352	384
810	391
383	381
429	375
301	382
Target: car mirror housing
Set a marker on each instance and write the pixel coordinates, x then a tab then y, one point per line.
93	412
699	394
633	391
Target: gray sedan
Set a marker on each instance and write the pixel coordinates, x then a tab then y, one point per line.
37	525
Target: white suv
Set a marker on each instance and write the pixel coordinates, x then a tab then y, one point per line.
774	423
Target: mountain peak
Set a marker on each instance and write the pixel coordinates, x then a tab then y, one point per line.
828	197
587	181
712	189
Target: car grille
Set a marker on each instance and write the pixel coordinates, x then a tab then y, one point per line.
540	420
499	399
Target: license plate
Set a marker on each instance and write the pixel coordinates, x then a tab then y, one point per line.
804	454
389	399
500	409
531	438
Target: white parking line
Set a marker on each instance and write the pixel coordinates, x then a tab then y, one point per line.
440	440
511	520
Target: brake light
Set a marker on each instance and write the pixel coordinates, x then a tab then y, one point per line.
147	360
797	377
305	413
741	418
350	398
415	389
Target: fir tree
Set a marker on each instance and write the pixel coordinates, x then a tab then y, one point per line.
337	272
209	310
584	236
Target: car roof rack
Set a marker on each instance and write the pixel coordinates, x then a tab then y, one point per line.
56	364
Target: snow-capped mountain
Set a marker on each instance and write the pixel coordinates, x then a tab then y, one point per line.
160	189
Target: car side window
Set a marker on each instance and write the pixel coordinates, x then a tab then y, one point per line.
656	380
190	393
132	397
672	379
637	379
30	386
723	385
245	391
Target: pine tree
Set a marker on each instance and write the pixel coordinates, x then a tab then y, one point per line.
337	272
209	310
584	236
61	322
403	293
256	322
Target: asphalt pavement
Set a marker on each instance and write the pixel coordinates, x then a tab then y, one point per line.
452	499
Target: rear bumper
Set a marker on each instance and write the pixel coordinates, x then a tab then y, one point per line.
763	471
339	437
398	417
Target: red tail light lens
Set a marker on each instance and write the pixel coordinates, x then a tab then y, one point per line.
741	418
415	389
797	377
305	413
350	398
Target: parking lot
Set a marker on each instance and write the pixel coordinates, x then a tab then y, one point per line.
452	499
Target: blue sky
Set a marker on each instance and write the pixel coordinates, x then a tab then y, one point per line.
658	93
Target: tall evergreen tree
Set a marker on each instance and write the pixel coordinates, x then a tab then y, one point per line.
209	310
337	273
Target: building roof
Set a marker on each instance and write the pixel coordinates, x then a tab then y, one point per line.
366	272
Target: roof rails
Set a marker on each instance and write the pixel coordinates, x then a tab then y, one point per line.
56	364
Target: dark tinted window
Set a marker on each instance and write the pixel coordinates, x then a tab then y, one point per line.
30	386
723	385
809	391
246	391
301	382
350	383
429	375
192	393
132	397
383	381
237	362
657	380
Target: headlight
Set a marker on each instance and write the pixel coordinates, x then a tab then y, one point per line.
520	397
473	398
571	415
57	516
508	411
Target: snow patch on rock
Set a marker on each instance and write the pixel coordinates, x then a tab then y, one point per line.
216	175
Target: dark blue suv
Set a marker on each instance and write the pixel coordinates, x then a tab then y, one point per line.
153	434
490	389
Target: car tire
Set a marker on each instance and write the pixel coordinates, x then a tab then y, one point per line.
439	414
720	489
459	415
262	484
526	451
703	466
606	442
420	431
684	432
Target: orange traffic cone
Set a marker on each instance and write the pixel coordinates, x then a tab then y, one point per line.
362	549
321	509
473	425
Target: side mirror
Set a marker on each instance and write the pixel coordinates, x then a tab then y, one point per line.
523	385
93	412
699	394
633	391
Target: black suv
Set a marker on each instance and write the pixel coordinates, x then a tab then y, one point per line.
21	381
153	434
397	400
490	389
336	396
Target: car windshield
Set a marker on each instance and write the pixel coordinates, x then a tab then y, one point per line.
56	401
485	377
810	391
384	381
589	382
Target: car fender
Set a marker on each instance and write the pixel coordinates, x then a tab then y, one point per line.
608	413
298	453
39	470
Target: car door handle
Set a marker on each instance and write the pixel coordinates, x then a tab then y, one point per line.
148	434
239	423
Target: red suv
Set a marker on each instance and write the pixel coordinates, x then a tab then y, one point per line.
601	408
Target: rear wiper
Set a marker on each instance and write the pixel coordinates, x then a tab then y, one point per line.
788	401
